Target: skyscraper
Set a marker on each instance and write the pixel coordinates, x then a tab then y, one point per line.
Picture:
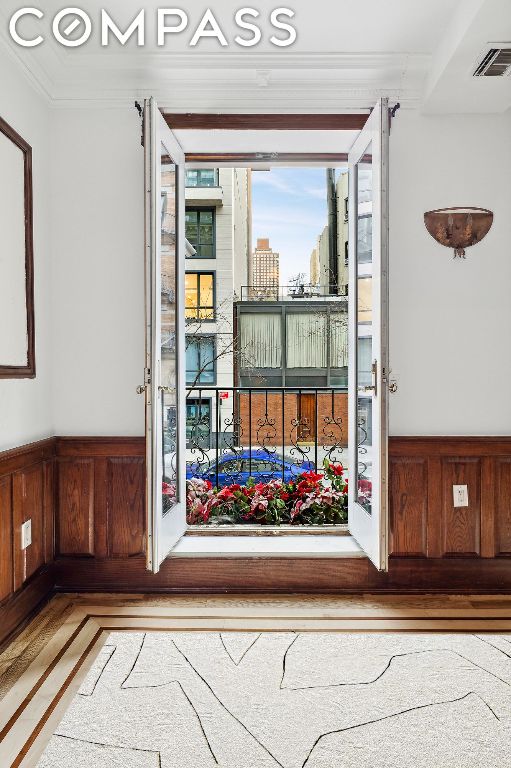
266	269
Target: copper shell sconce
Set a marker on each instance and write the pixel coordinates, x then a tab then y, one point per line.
458	228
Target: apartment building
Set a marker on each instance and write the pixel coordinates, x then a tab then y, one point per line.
320	268
297	344
218	229
266	269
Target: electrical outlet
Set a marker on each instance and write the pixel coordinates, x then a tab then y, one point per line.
460	495
26	534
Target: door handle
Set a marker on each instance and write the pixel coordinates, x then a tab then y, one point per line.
141	389
374	378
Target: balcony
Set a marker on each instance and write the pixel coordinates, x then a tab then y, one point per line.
279	293
205	196
266	456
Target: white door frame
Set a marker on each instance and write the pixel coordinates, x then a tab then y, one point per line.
370	529
163	530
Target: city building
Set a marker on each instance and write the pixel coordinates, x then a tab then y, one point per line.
297	344
266	269
314	267
218	231
342	232
333	277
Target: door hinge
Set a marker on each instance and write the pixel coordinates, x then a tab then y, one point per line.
141	114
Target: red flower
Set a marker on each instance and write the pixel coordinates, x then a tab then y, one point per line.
337	469
225	494
312	477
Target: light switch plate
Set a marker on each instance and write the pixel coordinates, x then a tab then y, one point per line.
460	495
26	534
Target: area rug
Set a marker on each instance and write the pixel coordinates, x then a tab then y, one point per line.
294	700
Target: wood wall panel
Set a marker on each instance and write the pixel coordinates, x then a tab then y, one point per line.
433	491
126	507
49	510
76	507
94	487
461	526
503	506
28	504
408	506
6	562
488	512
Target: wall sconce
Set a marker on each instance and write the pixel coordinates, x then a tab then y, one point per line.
458	228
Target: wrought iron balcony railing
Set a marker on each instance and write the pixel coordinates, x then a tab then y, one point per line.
237	433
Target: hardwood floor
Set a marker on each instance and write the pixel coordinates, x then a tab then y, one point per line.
43	668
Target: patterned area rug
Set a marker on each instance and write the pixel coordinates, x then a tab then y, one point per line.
314	700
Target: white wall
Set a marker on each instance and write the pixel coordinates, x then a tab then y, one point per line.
450	321
25	404
98	247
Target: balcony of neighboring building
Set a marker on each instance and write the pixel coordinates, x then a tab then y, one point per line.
203	188
293	293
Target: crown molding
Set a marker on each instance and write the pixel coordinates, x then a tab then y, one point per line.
285	60
195	81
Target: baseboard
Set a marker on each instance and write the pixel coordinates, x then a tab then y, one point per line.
18	610
285	575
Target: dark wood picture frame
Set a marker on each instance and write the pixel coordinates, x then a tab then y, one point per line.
27	371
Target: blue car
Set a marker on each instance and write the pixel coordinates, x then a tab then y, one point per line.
261	465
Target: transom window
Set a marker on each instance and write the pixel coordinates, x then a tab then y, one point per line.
200	360
200	296
202	177
200	231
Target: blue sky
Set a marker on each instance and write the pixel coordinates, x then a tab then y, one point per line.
289	207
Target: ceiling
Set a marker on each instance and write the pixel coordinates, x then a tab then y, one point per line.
421	53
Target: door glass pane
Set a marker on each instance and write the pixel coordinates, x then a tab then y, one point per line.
365	354
169	361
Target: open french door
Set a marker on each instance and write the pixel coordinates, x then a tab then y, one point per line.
368	340
164	385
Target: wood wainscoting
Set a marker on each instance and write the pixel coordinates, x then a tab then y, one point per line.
85	497
434	546
100	510
423	519
27	492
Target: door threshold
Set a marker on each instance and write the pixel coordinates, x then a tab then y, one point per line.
267	546
267	530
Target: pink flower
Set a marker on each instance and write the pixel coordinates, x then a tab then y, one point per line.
168	490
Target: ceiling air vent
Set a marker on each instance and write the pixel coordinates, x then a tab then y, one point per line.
496	62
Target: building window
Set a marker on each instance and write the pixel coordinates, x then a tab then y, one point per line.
200	231
346	253
198	423
200	296
200	360
202	177
346	209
